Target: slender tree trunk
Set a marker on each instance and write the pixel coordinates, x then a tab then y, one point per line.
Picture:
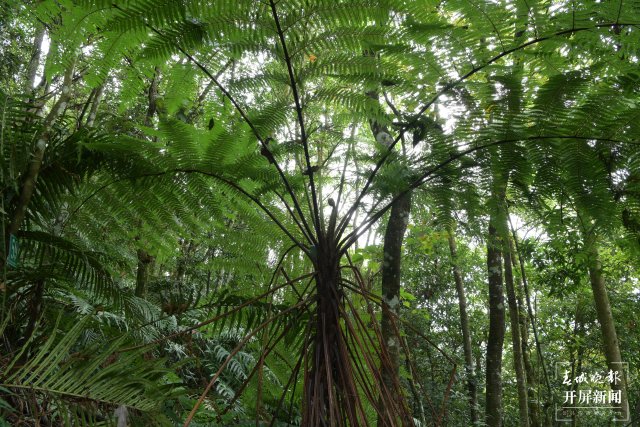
142	276
416	394
531	380
144	259
514	317
391	266
534	410
94	105
576	362
34	61
31	176
607	325
530	320
392	256
466	333
493	406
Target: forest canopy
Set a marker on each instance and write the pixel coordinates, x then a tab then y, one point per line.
319	212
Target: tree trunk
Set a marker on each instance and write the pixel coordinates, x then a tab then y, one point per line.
392	257
466	334
95	104
329	380
31	175
493	406
514	317
142	276
531	379
152	108
534	410
391	265
576	362
607	325
34	61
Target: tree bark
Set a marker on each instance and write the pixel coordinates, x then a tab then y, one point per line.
94	105
34	61
493	406
391	265
514	317
605	318
142	275
31	176
466	333
531	380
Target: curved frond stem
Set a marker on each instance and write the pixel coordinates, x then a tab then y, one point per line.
386	395
279	264
309	236
378	302
232	184
220	316
296	98
268	348
252	198
342	180
242	113
350	238
345	220
235	351
294	374
86	199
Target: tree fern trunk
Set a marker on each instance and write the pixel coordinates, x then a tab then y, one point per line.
329	387
466	333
